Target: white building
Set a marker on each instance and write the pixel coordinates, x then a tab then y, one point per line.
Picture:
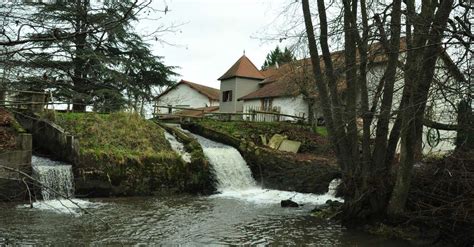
288	90
186	94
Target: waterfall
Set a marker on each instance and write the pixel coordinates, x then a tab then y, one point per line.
332	189
234	178
178	147
230	169
58	188
56	178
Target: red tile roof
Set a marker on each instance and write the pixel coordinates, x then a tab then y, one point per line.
211	93
294	77
243	68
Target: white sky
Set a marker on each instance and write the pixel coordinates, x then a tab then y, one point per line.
214	35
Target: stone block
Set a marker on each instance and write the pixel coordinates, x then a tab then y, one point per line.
276	141
24	141
290	146
263	139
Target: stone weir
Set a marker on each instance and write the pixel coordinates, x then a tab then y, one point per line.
274	169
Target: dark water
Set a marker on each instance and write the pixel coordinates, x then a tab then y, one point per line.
184	220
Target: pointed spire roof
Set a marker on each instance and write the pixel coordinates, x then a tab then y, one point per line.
243	68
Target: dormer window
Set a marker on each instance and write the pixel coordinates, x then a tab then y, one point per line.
227	96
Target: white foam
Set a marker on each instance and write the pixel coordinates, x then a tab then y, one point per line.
267	196
234	179
63	206
178	147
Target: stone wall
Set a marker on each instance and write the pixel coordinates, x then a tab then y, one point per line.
201	178
50	137
11	185
274	169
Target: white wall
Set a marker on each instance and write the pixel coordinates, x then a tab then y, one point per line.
295	106
440	106
184	95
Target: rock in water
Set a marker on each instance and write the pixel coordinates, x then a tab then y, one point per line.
288	204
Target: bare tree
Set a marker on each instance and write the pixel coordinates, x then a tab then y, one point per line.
368	192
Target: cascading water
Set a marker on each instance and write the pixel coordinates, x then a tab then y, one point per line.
178	147
230	169
234	178
57	189
56	178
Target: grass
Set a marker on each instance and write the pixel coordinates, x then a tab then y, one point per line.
120	136
323	131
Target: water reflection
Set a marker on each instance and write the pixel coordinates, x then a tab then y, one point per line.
185	220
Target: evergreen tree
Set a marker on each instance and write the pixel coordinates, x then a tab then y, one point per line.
278	56
104	64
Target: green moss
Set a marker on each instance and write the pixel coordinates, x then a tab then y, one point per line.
17	127
120	136
323	131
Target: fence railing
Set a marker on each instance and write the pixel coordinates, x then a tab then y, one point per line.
34	101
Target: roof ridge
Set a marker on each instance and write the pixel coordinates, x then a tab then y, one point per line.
243	67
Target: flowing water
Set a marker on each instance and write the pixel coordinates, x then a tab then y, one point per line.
234	178
178	147
55	176
241	214
57	189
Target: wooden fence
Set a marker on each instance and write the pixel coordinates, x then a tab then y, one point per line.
251	113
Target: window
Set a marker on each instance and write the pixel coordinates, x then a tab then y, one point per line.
267	104
227	96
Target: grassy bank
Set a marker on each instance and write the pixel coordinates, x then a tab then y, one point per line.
121	135
124	154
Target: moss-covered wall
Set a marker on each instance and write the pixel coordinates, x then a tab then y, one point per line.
200	176
275	169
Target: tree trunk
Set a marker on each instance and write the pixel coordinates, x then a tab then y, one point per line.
413	117
311	105
382	131
79	77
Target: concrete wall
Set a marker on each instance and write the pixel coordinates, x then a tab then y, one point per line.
50	137
183	95
227	85
18	159
240	87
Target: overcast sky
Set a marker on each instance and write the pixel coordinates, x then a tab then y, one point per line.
213	35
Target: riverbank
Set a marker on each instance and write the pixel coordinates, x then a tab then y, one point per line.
122	154
309	171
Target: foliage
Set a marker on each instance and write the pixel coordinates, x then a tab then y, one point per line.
279	57
111	67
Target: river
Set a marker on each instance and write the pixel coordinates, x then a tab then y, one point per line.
187	220
241	213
